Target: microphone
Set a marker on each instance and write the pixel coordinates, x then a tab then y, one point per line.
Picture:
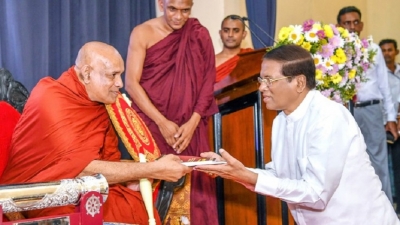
255	35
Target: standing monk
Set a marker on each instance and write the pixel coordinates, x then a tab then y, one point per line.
170	77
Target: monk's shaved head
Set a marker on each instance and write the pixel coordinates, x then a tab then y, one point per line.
99	67
93	52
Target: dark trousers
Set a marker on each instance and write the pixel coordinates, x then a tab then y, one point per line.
394	150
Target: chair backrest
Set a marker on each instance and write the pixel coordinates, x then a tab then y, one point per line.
13	96
12	91
9	117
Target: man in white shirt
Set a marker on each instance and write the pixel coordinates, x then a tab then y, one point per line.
390	51
368	110
319	165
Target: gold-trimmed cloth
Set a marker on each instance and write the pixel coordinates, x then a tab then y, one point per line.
132	130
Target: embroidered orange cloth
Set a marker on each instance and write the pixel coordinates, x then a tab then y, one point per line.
59	133
227	67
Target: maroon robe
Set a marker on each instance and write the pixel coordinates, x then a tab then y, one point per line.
178	76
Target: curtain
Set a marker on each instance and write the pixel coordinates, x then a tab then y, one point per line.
41	38
262	14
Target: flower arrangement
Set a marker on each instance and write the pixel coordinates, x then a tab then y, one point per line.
340	57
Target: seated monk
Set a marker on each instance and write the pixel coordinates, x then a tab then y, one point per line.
65	132
233	32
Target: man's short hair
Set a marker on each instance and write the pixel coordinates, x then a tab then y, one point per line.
347	9
295	61
388	41
234	17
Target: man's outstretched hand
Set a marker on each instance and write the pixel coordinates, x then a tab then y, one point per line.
232	170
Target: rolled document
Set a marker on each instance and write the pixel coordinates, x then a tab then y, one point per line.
147	194
30	196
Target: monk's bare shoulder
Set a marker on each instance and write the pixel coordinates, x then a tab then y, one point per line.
148	32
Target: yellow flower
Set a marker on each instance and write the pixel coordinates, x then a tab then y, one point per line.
336	78
340	29
284	33
317	26
345	33
307	46
334	58
318	74
340	56
352	74
301	39
328	31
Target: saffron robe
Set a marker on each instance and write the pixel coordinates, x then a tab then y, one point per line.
59	133
227	67
178	77
9	117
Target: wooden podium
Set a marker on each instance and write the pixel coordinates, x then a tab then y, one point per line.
243	128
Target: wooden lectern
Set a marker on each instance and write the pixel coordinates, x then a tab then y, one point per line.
243	128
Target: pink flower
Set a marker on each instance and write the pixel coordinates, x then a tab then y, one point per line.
307	25
326	93
334	41
327	51
321	34
334	29
365	43
335	69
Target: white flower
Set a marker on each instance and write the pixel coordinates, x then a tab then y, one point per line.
328	63
311	35
296	34
317	59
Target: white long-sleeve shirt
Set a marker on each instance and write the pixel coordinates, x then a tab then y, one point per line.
320	167
394	84
377	86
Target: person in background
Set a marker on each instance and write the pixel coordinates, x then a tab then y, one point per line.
367	108
232	33
390	51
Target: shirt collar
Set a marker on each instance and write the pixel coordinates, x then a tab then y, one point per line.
301	110
396	70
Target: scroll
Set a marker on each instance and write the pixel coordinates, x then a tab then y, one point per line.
147	194
30	196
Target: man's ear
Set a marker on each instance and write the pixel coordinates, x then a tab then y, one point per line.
161	5
244	35
397	51
85	71
301	83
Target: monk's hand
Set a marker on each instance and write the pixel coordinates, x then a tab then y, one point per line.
185	133
168	129
170	168
233	169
